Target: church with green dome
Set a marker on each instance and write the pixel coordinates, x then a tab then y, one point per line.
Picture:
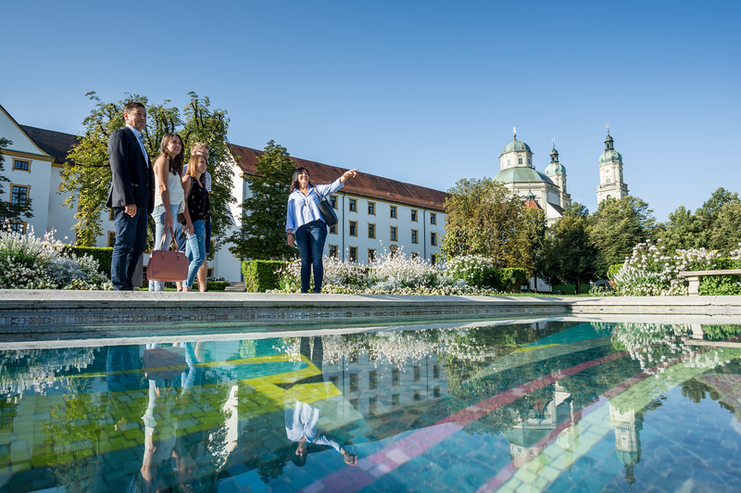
546	191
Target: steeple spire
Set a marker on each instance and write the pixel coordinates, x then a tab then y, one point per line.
608	141
554	152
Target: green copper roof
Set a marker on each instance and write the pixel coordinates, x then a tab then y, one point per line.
610	156
520	174
516	145
555	168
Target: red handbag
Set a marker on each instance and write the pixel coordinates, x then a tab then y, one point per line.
167	265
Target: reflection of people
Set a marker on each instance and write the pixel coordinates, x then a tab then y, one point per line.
174	376
168	168
197	214
301	429
121	413
302	418
131	195
310	229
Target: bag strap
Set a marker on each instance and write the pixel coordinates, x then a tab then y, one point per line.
164	235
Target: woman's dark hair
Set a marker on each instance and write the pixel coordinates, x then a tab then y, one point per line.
294	180
176	162
298	460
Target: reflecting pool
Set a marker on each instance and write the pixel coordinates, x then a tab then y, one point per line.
538	406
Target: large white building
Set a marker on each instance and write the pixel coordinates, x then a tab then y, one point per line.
375	213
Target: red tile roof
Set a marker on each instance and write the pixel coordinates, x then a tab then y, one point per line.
363	185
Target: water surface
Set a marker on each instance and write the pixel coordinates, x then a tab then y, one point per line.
547	406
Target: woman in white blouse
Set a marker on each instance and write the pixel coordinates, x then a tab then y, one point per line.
310	229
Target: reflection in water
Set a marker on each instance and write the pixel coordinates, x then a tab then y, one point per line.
545	405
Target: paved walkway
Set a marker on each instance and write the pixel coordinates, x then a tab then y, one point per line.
43	311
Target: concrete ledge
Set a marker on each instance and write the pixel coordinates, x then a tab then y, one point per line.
40	311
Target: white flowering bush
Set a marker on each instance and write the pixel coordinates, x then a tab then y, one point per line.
396	270
28	262
393	273
650	271
474	269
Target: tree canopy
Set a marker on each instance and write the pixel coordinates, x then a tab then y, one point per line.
87	177
618	226
485	218
262	234
716	225
569	254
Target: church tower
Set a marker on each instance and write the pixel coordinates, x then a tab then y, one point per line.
557	173
611	182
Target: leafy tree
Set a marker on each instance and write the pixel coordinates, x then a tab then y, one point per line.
569	253
725	234
532	238
210	127
263	231
708	214
616	227
711	226
8	210
680	232
483	218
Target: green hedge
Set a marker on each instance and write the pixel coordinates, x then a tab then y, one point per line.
213	285
261	275
102	255
570	288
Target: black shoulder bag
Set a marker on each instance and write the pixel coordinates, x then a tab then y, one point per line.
327	211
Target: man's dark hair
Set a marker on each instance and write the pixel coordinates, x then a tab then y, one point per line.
129	107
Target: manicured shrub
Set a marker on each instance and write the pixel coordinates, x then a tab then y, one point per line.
102	254
262	275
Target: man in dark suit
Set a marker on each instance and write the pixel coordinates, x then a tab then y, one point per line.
131	195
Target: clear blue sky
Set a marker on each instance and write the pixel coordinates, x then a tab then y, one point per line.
425	92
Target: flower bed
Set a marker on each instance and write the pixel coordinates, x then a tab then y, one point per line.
28	262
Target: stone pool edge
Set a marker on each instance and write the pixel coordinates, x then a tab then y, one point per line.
72	311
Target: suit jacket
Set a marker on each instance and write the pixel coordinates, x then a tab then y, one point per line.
132	180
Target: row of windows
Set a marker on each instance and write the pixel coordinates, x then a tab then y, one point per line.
393	232
353	253
395	376
353	206
395	399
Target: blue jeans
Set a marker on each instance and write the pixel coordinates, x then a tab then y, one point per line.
195	250
159	228
310	240
131	241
